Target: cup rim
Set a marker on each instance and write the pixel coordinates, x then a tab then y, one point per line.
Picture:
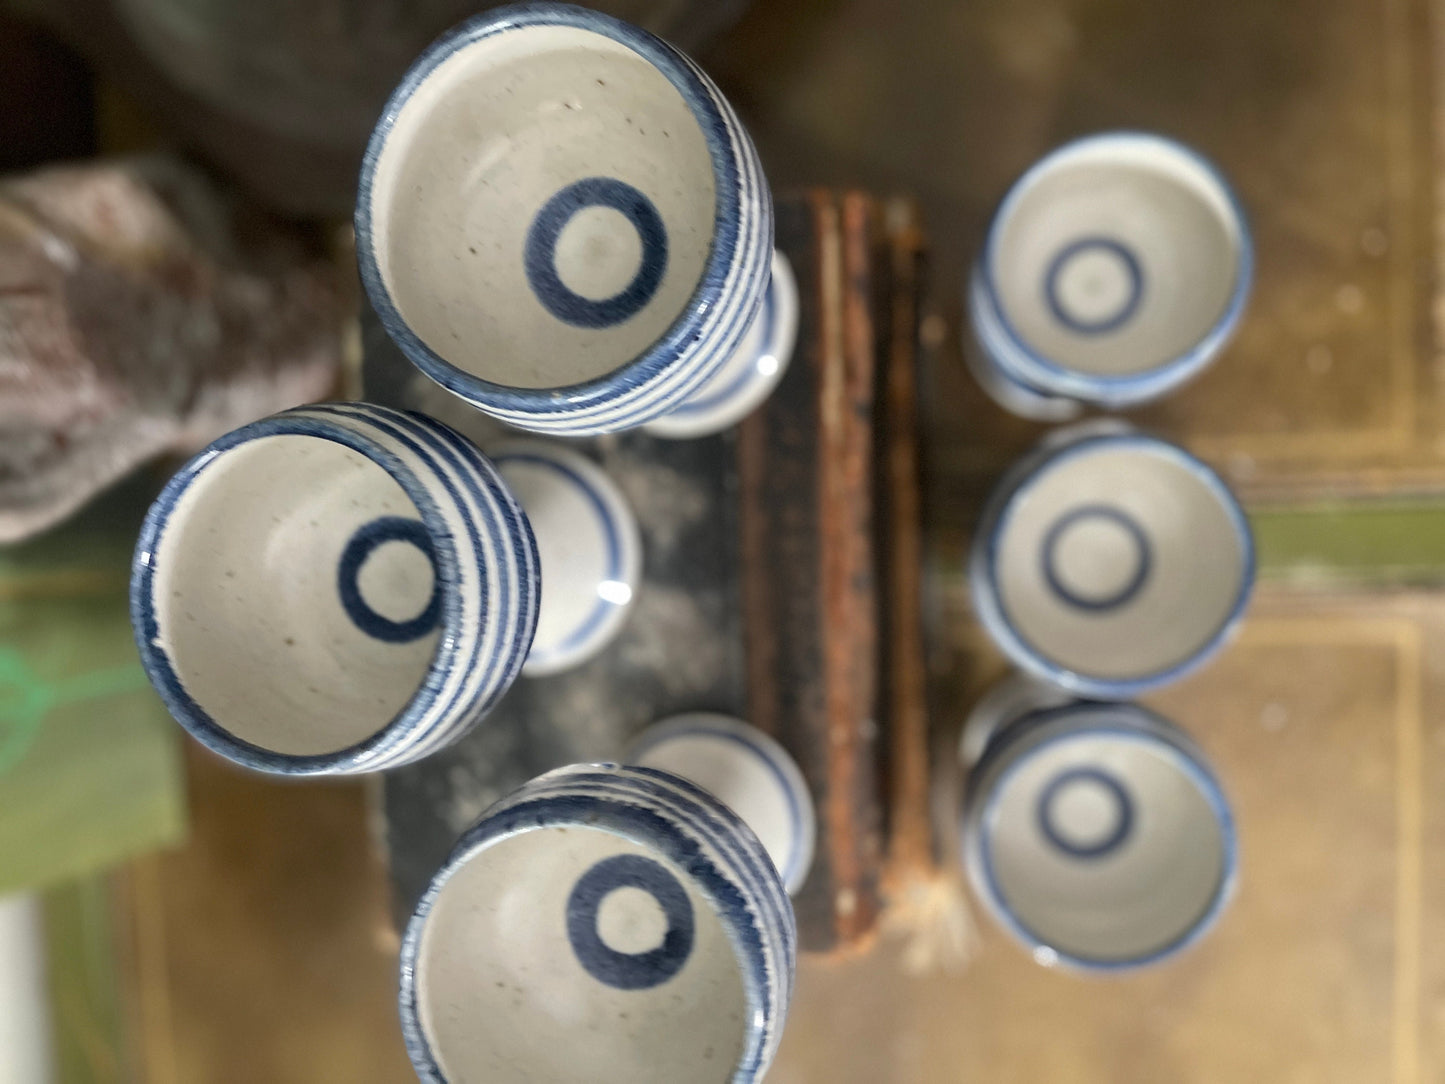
157	663
1045	727
988	596
614	813
1050	377
672	345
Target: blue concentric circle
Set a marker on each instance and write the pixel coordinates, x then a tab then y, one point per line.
541	253
629	970
1110	321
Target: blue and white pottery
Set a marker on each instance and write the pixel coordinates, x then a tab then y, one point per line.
748	772
1110	562
561	220
1098	836
751	374
338	588
590	548
1116	269
602	925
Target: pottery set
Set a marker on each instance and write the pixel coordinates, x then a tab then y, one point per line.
561	221
1107	563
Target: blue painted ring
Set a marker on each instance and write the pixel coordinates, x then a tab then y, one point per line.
1048	558
1110	321
541	253
1048	823
366	541
629	970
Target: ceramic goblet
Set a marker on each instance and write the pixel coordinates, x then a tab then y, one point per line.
1109	562
338	588
561	220
589	545
1115	269
602	924
748	772
1097	835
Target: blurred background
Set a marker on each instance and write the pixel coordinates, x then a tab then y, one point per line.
165	918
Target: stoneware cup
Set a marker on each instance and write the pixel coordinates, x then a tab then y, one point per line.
1097	835
1110	562
590	549
602	925
561	220
748	772
1115	269
339	588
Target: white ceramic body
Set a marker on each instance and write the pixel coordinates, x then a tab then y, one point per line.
1111	563
748	377
1012	698
561	220
338	588
748	772
600	925
1115	269
589	545
1098	836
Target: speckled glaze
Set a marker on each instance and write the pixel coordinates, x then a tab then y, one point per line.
748	772
600	925
335	589
1115	269
561	220
1098	836
1109	562
590	548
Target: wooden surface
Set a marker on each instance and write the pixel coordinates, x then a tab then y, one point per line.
809	593
760	595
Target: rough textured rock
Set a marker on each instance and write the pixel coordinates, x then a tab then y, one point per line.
141	312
